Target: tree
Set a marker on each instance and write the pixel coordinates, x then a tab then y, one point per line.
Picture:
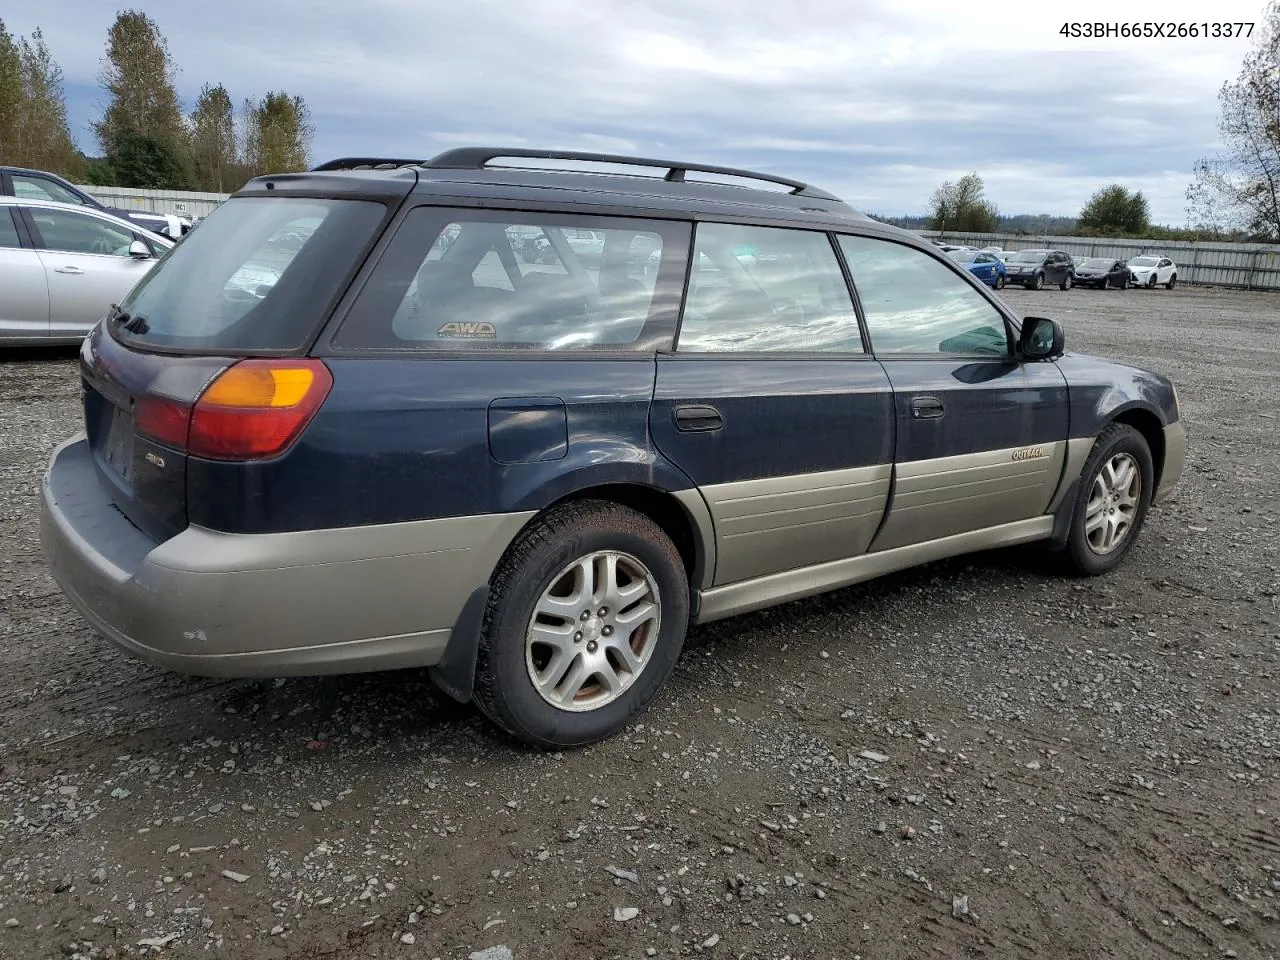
33	108
140	160
1115	211
1241	186
277	134
11	93
961	206
214	145
138	73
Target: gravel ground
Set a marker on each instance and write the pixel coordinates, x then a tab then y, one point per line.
977	758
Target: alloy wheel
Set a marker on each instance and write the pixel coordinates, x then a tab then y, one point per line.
1113	503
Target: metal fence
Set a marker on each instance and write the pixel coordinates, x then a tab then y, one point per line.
1252	266
182	203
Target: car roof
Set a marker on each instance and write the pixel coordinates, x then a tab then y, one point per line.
467	174
8	201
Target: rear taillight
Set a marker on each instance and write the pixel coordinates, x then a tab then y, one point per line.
253	410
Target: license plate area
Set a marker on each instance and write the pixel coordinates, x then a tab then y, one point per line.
118	450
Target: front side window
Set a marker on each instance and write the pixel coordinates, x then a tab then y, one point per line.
915	305
70	232
455	280
764	290
40	188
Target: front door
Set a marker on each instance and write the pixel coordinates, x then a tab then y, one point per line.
87	266
981	437
770	404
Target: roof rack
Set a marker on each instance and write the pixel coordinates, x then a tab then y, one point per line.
365	163
477	158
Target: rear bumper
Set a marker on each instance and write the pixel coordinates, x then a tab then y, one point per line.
1175	459
249	605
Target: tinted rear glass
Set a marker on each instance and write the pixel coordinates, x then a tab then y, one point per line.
261	273
1028	256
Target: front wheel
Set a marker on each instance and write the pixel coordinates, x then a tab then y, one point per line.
1112	500
1066	282
1037	283
1151	282
587	616
1173	281
1106	283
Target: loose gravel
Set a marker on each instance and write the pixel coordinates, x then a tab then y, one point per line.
978	758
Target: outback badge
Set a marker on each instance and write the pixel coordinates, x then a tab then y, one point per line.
1029	453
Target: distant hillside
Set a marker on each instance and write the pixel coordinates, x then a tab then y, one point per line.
1023	223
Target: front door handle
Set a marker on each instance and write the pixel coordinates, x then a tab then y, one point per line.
927	408
697	419
76	270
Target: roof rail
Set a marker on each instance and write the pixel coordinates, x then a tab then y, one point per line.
365	163
477	158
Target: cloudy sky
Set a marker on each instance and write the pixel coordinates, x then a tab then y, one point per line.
876	100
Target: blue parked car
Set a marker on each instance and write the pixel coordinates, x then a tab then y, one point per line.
984	265
393	441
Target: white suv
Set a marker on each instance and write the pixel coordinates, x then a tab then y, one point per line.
1151	271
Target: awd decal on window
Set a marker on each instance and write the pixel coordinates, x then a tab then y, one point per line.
468	329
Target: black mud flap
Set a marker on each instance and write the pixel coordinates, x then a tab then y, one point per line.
455	674
1062	518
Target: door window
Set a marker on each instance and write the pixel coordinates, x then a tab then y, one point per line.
914	304
41	188
71	232
8	230
762	290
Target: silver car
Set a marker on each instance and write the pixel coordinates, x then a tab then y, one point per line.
62	266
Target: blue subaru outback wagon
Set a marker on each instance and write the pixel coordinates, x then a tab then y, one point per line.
524	425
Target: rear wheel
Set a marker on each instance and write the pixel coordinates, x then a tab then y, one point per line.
999	281
1112	500
586	618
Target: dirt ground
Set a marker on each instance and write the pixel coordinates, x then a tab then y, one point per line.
1070	768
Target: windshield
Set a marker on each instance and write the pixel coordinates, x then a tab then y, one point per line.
963	256
260	274
1144	261
1028	256
1097	263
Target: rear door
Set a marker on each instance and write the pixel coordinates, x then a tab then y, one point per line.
981	438
24	302
771	405
87	266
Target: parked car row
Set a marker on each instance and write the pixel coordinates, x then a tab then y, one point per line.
1036	268
41	185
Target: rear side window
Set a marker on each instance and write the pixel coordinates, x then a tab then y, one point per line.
41	188
261	273
70	232
8	231
764	290
471	280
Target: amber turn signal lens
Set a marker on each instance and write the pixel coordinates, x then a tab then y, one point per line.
246	385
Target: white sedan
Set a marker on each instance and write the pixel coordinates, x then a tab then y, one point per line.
63	266
1153	272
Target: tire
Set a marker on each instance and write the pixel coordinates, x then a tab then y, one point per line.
1037	282
1087	552
1106	283
1066	282
543	559
1173	281
1000	281
1151	283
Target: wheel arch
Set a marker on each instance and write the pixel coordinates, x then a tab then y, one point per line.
1148	423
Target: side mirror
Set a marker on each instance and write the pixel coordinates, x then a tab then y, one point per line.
139	250
1041	339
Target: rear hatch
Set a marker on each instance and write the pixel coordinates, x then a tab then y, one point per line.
179	371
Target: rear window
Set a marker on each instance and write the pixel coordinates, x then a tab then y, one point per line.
473	280
261	273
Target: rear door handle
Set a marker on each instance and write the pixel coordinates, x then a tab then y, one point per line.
67	270
697	419
927	408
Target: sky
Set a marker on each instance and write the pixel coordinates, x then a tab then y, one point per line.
875	100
